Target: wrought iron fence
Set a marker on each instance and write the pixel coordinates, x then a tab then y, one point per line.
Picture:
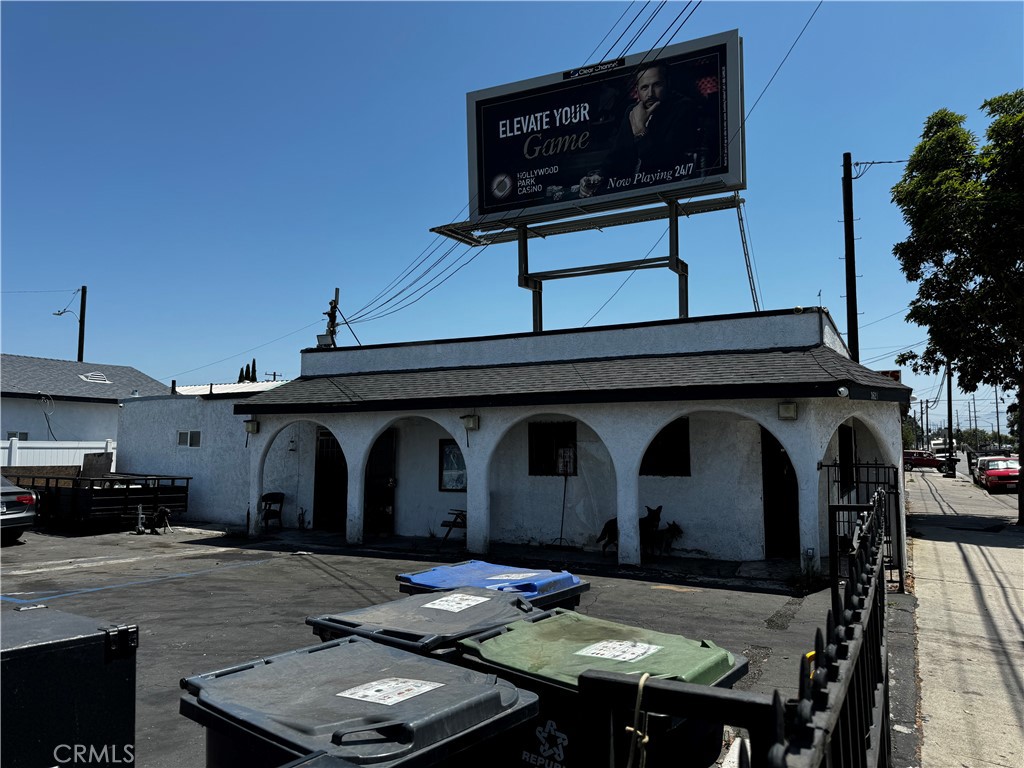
840	717
851	488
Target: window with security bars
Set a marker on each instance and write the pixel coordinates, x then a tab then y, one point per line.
552	448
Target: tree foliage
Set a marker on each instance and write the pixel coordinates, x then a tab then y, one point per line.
964	207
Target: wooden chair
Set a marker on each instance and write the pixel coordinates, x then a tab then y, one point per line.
271	505
458	521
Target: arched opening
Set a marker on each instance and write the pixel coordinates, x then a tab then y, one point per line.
552	483
781	496
415	474
330	484
727	482
306	464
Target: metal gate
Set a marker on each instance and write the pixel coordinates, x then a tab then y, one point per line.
851	488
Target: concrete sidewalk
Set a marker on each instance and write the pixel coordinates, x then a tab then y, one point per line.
968	576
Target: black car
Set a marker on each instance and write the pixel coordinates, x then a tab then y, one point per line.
17	511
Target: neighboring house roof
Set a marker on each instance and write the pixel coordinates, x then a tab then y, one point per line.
22	376
217	391
797	372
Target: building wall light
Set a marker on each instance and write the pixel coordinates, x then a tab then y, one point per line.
788	411
252	426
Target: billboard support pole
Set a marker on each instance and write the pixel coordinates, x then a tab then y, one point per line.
674	262
531	283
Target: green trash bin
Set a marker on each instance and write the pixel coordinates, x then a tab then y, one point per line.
546	654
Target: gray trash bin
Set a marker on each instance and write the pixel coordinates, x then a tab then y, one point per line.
351	701
68	689
426	623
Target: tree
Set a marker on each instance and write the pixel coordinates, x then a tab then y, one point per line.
964	207
241	375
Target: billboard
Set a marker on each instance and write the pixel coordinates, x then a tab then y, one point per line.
664	124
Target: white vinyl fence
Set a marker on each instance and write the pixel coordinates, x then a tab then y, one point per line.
51	453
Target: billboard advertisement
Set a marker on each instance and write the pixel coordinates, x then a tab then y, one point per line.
656	125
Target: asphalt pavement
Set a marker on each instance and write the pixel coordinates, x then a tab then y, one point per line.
204	600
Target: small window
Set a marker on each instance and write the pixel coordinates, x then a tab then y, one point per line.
552	448
188	439
451	467
17	435
668	455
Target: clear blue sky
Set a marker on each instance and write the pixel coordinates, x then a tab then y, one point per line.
212	171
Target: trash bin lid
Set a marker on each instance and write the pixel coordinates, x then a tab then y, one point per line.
358	701
559	645
27	628
527	582
425	622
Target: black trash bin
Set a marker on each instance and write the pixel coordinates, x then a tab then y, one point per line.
426	623
351	702
542	588
546	653
68	689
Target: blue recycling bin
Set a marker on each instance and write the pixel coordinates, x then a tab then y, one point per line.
543	589
351	702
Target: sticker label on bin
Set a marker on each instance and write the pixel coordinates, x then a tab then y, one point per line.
512	576
390	690
455	602
619	650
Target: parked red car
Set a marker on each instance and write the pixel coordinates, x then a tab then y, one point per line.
919	459
998	472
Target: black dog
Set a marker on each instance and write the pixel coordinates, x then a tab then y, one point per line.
649	524
663	539
160	520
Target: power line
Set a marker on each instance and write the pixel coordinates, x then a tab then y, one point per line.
243	352
781	63
624	12
66	290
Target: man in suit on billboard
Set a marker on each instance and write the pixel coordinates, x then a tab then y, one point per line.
659	137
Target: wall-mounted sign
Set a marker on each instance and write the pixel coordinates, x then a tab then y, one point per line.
665	124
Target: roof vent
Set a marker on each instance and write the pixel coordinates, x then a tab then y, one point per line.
95	377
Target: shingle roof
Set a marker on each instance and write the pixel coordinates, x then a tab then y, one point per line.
805	372
22	376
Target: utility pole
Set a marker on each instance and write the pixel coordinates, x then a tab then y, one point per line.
950	451
81	326
852	333
998	441
81	322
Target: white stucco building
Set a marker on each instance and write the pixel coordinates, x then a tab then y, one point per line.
725	422
53	413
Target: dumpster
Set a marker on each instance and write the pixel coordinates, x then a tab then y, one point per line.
542	588
68	688
547	652
351	702
426	623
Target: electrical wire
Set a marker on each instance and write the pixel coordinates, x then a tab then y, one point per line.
623	33
640	32
623	283
243	352
606	34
